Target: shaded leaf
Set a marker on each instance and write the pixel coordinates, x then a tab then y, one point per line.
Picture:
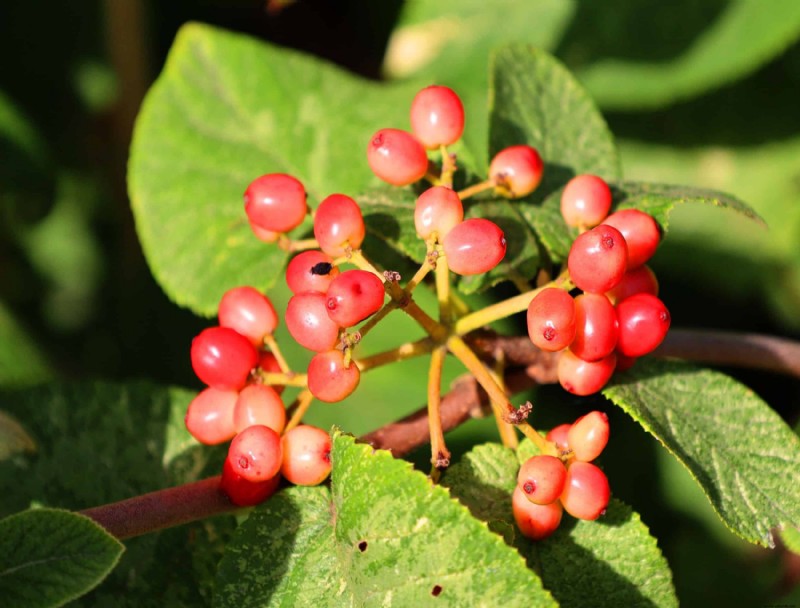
21	361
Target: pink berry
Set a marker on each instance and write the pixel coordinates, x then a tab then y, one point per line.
596	325
643	324
586	201
537	522
438	210
397	157
437	116
244	493
306	455
308	322
588	436
517	170
551	319
586	491
541	478
262	234
249	312
581	377
638	280
559	436
269	363
353	296
275	202
597	259
209	417
259	404
338	225
256	453
641	233
223	358
310	270
328	378
474	246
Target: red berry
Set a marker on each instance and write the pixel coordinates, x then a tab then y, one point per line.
596	327
641	232
249	312
438	210
268	363
624	363
308	322
437	116
537	522
262	234
541	478
338	225
597	259
244	493
589	435
306	455
209	417
586	491
516	170
581	377
551	319
311	270
586	201
638	280
397	157
643	324
223	358
328	379
256	453
353	296
259	404
275	202
558	435
474	246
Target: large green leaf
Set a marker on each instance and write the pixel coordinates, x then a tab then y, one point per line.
383	535
609	562
49	557
746	459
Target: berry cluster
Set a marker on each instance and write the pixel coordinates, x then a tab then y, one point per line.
548	485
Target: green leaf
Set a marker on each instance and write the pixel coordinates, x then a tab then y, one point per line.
21	361
49	557
389	216
383	535
609	562
746	459
748	34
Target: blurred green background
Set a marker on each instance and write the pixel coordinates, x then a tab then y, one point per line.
699	93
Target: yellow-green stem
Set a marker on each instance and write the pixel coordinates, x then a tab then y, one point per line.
299	409
545	447
377	318
418	276
506	429
404	351
448	168
443	290
357	258
289	379
476	189
440	456
272	344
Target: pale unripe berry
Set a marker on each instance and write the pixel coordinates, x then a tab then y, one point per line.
588	436
439	210
353	296
437	116
338	225
310	270
275	202
586	201
306	455
559	436
641	233
209	417
586	491
328	378
259	404
516	170
597	259
542	478
551	319
249	312
474	246
308	322
256	453
537	522
397	157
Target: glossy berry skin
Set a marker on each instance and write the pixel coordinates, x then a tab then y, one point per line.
516	170
581	377
275	202
308	322
306	455
541	478
437	116
438	210
338	224
596	325
586	491
588	436
223	358
255	454
328	379
641	233
397	157
353	296
249	312
551	319
638	280
643	324
244	493
259	404
597	259
311	270
536	522
209	417
559	435
474	246
586	201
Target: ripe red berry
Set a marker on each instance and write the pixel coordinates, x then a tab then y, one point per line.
437	116
516	170
397	157
311	270
537	522
559	436
209	417
223	358
596	326
244	493
586	491
249	312
275	202
586	201
438	210
597	259
259	404
551	319
641	233
589	435
328	379
474	246
338	225
638	280
256	453
643	324
353	296
624	363
308	322
306	455
581	377
542	478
